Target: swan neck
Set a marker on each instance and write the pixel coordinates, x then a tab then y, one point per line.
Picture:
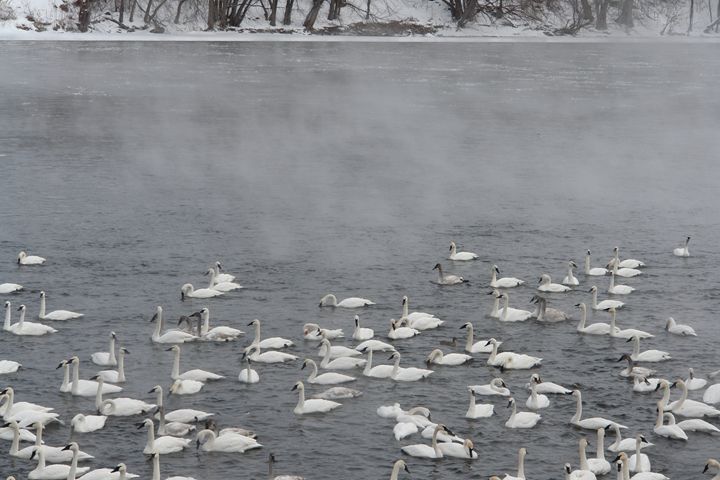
506	305
8	318
211	282
158	325
121	368
159	399
493	354
156	467
469	338
395	471
42	307
583	318
594	299
205	323
98	396
496	307
435	447
73	466
368	365
396	367
301	398
578	409
521	465
683	397
636	346
22	318
151	437
66	377
314	369
587	263
176	365
257	334
16	441
600	450
113	359
658	423
626	469
405	309
75	377
583	458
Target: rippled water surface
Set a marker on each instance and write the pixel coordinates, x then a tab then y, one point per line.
348	168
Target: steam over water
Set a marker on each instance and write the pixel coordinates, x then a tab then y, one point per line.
348	168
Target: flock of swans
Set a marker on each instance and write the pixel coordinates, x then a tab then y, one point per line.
338	367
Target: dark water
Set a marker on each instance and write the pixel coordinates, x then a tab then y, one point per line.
348	168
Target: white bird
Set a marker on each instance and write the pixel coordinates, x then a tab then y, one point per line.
495	311
481	346
335	393
116	376
156	470
254	353
617	289
313	405
221	277
271	461
647	355
220	286
183	415
692	424
340	363
209	441
548	314
510	360
55	472
536	400
632	371
161	445
25	259
521	467
679	329
195	374
411	374
623	271
452	359
570	278
465	450
714	464
448	279
683	251
508	314
176	429
505	282
397	332
247	374
120	407
375	345
419	416
106	359
56	314
482	410
397	466
313	332
584	472
29	328
624	473
87	388
87	423
690	408
403	430
594	272
188	291
11	406
643	384
626	444
9	366
330	300
627	333
629	263
216	334
427	451
337	350
185	387
52	454
170	336
546	285
592	423
25	418
272	342
605	304
521	419
668	431
413	317
328	378
360	333
460	256
593	328
6	288
638	461
378	371
599	465
571	474
712	394
542	386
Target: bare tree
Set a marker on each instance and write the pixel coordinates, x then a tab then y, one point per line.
288	12
601	7
179	9
273	12
309	22
84	14
626	16
692	12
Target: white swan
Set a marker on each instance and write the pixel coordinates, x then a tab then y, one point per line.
54	472
56	314
360	333
375	345
418	320
627	444
170	336
495	311
337	350
690	408
633	371
397	466
593	328
647	355
66	385
505	282
254	353
176	429
548	314
584	472
619	289
627	333
271	461
161	445
87	388
25	259
521	466
328	378
623	271
481	346
209	441
605	304
9	366
247	374
340	363
643	384
419	416
448	279
397	332
427	451
580	474
156	470
452	359
570	278
221	277
599	465
194	374
120	407
411	374
11	406
536	400
629	263
185	387
188	291
314	333
669	431
8	433
216	334
508	314
638	461
521	419
460	256
465	450
87	423
711	463
334	393
116	376
6	288
272	342
52	454
510	360
624	473
330	300
482	410
313	405
29	328
678	329
220	286
542	386
106	359
183	415
682	251
378	371
594	272
712	394
546	285
692	424
592	423
25	418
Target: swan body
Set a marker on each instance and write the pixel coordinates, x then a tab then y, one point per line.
508	314
571	474
176	429
453	359
11	407
88	388
691	408
253	353
330	300
106	359
361	333
669	431
195	374
547	387
8	366
170	336
185	387
422	323
419	416
52	454
272	342
227	442
465	450
313	405
187	415
411	374
623	271
122	407
53	472
56	314
536	400
510	360
505	282
404	429
375	345
474	410
678	329
624	473
328	378
599	465
87	423
712	394
594	272
627	333
521	467
337	350
397	332
25	418
340	363
629	263
647	355
461	256
427	451
546	285
548	314
378	371
25	259
335	393
219	276
216	334
605	304
682	251
164	444
627	444
247	374
116	376
188	291
570	278
589	423
593	328
693	425
8	433
521	419
619	289
632	371
314	333
6	288
448	279
644	384
220	285
29	328
471	346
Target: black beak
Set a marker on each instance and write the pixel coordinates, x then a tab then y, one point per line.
66	447
168	349
407	469
182	296
154	317
617	459
449	432
303	366
20	308
152	391
116	469
707	465
294	388
139	425
249	324
464	326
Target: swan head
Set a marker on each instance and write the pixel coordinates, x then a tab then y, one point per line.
306	363
511	402
691	372
145	423
20	256
442	428
401	464
174	348
495	269
568	468
711	463
625	356
470	446
437	266
175	386
593	289
583	442
621	457
394	355
452	246
255	322
491	341
576	393
467	325
328	300
21	308
185	291
298	386
405	298
357	320
42	294
435	354
535	378
158	312
121	467
572	264
545	278
156	389
210	271
73	446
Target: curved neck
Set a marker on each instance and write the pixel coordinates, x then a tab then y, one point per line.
440	274
368	365
212	281
583	458
301	397
583	318
578	409
659	419
684	395
514	410
618	436
600	450
493	353
176	365
435	447
395	471
666	395
396	367
521	465
42	307
314	372
326	356
469	339
156	467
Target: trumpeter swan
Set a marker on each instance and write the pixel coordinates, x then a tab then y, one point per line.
375	345
53	472
548	314
629	263
313	405
427	451
624	472
9	366
161	445
495	311
505	282
330	300
627	444
328	378
56	314
254	353
156	470
594	272
605	304
679	329
638	461
170	336
411	317
465	450
592	423
183	415
410	374
10	288
481	346
271	461
176	429
584	472
313	332
599	465
668	431
521	419
378	371
617	289
29	328
570	278
627	333
272	342
8	433
536	400
219	276
25	259
11	406
510	360
593	328
247	374
691	408
397	332
508	314
647	355
220	286
623	271
340	363
546	285
397	466
682	251
52	454
361	333
337	350
195	374
185	387
581	474
120	407
714	464
495	387
88	388
106	359
712	394
25	418
216	334
633	371
474	410
460	256
87	423
521	466
453	359
448	279
542	386
335	393
643	384
208	441
116	376
188	291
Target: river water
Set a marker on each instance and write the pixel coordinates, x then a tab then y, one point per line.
309	168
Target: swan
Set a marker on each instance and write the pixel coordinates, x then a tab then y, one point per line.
639	462
508	314
66	385
693	383
176	429
170	336
188	291
106	359
495	311
627	444
403	430
410	374
627	333
669	431
418	416
271	460
25	418
360	333
375	345
510	360
536	401
53	472
570	278
483	410
272	342
605	304
25	259
679	329
548	314
589	423
247	374
313	405
195	374
397	466
711	463
647	355
116	376
521	419
378	371
120	407
11	406
340	363
452	359
328	378
330	300
594	272
427	451
619	289
88	388
505	282
691	408
631	370
161	445
335	393
599	465
29	328
593	328
338	350
9	366
10	288
630	263
448	279
185	387
183	415
460	256
156	470
411	317
682	251
712	394
208	441
99	473
495	387
624	473
8	326
692	425
221	277
481	346
581	474
643	384
452	449
546	285
521	466
87	423
215	334
313	332
547	387
52	454
422	323
623	271
220	286
400	333
253	353
56	314
8	433
584	472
